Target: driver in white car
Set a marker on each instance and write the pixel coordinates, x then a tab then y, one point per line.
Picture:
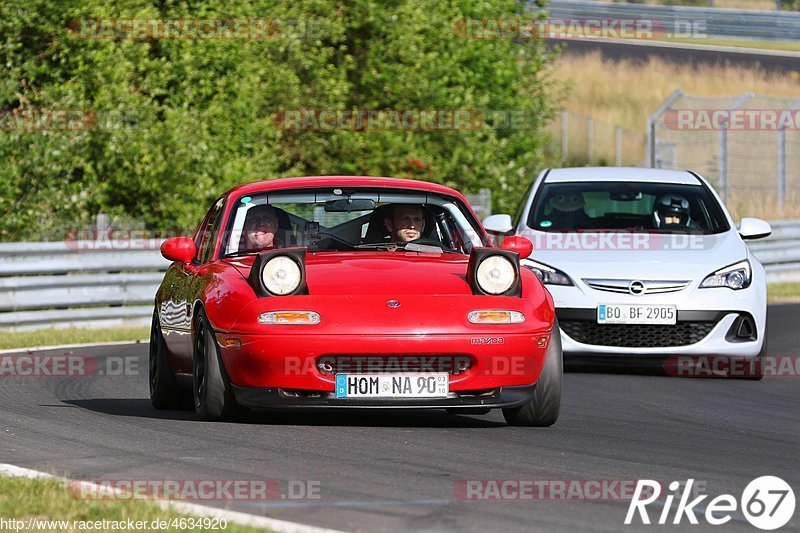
671	211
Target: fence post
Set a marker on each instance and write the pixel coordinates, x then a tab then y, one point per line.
723	146
783	181
564	135
652	122
101	223
781	168
590	135
618	142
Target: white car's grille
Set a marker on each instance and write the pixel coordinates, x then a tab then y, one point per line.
637	335
637	287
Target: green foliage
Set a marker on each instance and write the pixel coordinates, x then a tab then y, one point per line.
180	121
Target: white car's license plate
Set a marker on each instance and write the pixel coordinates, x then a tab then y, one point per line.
637	314
405	385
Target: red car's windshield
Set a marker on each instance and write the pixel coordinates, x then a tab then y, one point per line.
355	219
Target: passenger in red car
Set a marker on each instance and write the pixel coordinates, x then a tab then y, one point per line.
260	228
406	223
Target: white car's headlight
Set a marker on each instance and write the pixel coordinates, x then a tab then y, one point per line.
547	274
495	274
736	276
281	275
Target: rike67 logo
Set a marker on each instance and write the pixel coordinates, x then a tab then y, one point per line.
767	503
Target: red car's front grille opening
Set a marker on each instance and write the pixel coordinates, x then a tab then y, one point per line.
373	364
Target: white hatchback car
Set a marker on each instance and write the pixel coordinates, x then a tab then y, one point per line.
643	261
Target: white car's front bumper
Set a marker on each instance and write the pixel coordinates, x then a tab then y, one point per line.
717	308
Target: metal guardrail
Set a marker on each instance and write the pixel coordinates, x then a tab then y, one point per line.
780	252
715	22
100	283
78	284
81	284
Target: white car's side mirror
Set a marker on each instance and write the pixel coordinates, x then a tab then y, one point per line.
754	228
498	224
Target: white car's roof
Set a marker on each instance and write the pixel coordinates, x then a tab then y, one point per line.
650	175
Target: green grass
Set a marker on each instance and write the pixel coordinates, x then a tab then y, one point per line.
53	337
782	292
21	499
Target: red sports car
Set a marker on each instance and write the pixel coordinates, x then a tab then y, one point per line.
352	292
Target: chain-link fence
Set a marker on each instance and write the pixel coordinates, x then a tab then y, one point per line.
579	140
748	146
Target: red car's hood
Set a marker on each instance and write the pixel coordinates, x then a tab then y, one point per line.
379	273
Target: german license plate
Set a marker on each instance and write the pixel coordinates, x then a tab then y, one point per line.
637	314
401	385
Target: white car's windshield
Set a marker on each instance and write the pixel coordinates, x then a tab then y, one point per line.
610	206
353	219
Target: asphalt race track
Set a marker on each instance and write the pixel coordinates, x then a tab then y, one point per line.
381	471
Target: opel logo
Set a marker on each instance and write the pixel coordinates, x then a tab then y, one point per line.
636	288
394	304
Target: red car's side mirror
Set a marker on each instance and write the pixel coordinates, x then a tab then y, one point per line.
518	244
179	249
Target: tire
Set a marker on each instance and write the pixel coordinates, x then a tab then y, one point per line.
164	391
542	410
213	394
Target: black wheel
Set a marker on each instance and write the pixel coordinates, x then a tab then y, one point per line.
213	395
542	410
164	391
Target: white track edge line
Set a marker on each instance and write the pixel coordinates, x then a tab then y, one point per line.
244	519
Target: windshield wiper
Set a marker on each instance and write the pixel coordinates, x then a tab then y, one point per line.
378	246
409	247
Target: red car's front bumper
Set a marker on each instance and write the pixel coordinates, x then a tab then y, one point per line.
297	362
504	397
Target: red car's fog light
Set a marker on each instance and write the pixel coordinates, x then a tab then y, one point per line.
289	317
496	317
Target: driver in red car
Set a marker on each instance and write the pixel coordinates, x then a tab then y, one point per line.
406	223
